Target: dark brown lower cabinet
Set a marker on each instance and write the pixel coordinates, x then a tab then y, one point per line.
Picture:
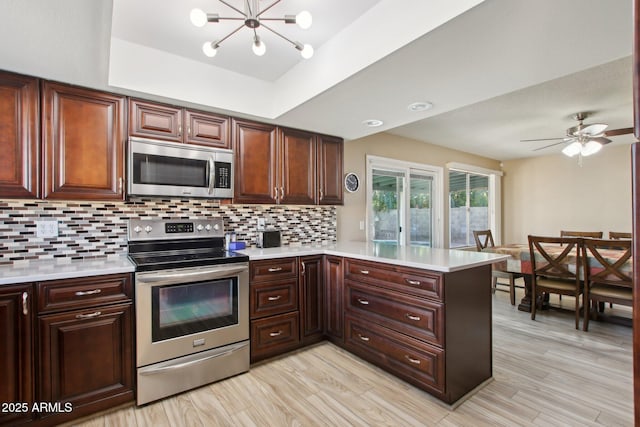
311	299
333	299
16	354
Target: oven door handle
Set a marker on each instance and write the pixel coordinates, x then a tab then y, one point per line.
183	276
193	362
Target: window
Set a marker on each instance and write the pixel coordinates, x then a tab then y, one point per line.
473	201
403	202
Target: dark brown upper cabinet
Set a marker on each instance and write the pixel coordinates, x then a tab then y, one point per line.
83	142
330	170
255	162
285	166
19	136
176	124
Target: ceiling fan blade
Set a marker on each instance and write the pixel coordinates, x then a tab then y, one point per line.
616	132
550	145
601	139
542	139
593	129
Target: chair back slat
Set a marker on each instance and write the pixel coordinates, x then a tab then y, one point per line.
605	262
551	263
616	235
484	239
589	234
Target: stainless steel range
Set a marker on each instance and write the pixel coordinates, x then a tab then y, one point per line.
192	306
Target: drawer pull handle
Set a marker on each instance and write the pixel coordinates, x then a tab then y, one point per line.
25	303
275	334
276	298
364	271
363	301
413	282
412	360
88	316
275	269
363	338
93	292
412	317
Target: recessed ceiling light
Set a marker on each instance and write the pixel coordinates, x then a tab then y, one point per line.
372	123
420	106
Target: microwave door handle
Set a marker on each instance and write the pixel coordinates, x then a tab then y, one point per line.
212	172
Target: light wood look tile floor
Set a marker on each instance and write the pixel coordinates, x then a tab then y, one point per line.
545	373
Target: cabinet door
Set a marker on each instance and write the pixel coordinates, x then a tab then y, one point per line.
334	298
311	299
255	151
297	167
157	121
207	129
83	143
19	136
330	170
86	357
16	356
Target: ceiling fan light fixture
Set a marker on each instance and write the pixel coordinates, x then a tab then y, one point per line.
307	51
572	149
198	17
590	147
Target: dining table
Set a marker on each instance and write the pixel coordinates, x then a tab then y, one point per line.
519	261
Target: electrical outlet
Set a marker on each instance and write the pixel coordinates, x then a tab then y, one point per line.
361	225
261	223
47	228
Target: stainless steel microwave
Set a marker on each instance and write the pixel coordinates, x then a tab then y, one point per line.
160	168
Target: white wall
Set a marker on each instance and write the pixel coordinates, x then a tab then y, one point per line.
543	195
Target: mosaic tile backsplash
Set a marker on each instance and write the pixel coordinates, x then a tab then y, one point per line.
99	229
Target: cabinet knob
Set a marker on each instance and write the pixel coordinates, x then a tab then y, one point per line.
275	334
93	292
88	316
363	301
413	282
412	317
274	269
364	271
363	338
275	298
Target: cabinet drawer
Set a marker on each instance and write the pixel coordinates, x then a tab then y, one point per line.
274	335
83	292
267	299
414	361
273	269
410	280
417	317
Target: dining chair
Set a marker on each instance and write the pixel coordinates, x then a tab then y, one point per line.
552	269
615	235
484	239
607	275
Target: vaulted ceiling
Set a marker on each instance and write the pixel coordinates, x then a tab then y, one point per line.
496	71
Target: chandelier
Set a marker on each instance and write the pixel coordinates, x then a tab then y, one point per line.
252	18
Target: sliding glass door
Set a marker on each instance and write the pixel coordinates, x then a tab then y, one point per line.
401	204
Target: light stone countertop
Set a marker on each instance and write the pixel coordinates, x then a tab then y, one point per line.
63	269
443	260
436	259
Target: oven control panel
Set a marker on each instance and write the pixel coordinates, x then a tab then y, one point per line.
150	229
178	227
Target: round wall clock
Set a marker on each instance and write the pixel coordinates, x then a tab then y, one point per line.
351	182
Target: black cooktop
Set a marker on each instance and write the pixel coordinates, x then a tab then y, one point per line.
164	255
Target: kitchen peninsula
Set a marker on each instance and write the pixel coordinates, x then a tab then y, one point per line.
423	314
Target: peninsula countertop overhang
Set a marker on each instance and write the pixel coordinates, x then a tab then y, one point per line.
436	259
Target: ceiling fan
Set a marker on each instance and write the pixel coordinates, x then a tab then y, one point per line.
583	139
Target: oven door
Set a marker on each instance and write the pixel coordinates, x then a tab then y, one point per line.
188	310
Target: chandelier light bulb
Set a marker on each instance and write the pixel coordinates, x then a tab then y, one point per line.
307	51
210	49
198	17
304	20
259	48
